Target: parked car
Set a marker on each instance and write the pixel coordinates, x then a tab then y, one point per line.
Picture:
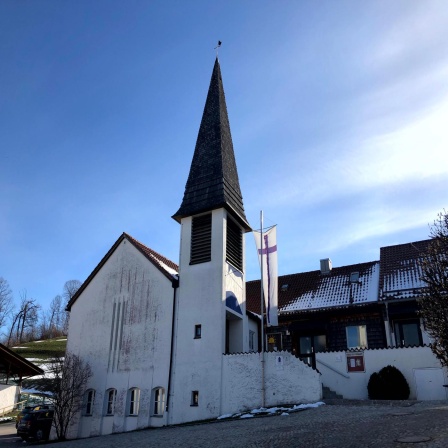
24	411
36	425
28	409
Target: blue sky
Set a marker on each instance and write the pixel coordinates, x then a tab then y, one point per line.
338	112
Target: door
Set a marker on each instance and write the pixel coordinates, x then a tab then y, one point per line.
408	333
309	345
429	384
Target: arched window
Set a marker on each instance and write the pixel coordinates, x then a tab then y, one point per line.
158	401
133	401
89	400
109	403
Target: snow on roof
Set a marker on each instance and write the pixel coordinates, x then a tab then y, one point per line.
335	290
401	271
314	290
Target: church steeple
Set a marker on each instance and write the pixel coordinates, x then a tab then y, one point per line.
213	180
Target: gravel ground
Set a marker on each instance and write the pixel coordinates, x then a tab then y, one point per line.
339	423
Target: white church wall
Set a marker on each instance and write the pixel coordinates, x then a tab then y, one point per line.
197	362
353	385
121	325
287	381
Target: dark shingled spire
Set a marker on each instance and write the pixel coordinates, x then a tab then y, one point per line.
213	180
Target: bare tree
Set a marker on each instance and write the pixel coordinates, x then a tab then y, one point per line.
25	320
434	306
6	301
70	289
55	318
70	376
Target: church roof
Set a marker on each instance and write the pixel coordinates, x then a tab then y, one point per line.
313	290
213	180
168	268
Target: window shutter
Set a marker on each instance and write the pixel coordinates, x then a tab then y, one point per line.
234	244
201	239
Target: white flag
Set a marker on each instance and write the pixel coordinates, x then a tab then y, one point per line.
268	247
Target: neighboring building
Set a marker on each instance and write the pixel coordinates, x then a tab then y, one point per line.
171	344
328	309
350	321
13	370
400	290
367	305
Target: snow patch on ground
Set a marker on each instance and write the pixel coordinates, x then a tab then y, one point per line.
221	417
273	411
7	419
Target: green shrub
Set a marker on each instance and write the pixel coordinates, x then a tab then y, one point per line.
388	384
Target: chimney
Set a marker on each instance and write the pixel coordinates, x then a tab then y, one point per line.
325	266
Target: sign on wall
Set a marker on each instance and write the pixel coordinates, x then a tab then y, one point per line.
355	362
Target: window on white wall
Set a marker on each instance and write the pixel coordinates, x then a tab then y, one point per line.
133	401
111	395
356	336
194	398
89	400
251	340
158	401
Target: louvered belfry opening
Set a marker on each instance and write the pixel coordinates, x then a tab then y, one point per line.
201	239
234	244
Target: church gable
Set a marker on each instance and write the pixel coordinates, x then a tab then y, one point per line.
123	306
167	267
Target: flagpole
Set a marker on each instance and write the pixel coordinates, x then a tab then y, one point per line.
263	393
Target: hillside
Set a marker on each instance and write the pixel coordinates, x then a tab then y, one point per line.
40	352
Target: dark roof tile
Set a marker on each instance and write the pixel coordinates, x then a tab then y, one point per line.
213	180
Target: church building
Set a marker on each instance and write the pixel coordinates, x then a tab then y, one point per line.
171	343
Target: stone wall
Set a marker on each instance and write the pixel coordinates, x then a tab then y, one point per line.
287	381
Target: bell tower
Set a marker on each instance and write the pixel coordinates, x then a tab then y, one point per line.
210	318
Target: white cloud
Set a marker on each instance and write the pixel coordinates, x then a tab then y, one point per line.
414	152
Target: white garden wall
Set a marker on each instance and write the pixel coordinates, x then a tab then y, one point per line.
287	380
419	366
8	397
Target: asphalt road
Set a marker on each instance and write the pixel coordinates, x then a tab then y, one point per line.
8	436
345	425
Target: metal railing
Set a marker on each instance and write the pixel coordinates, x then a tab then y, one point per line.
328	366
11	407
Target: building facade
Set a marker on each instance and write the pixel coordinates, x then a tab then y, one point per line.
171	344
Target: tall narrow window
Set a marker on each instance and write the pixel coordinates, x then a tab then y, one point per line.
251	340
234	244
158	398
111	395
89	401
133	401
197	331
201	239
194	398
